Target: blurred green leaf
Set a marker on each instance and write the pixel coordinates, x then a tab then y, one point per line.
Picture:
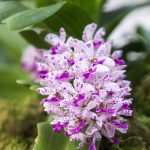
144	35
89	6
9	89
13	44
9	8
133	46
32	16
34	38
49	140
23	82
141	66
72	18
112	18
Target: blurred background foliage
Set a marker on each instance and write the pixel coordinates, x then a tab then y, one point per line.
19	106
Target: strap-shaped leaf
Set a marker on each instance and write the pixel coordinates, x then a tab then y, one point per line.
13	43
49	140
89	6
8	8
32	16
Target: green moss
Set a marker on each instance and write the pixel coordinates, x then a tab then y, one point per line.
18	124
142	96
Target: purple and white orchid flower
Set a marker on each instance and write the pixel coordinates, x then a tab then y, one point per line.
84	84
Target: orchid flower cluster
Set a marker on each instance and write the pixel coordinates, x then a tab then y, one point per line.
84	85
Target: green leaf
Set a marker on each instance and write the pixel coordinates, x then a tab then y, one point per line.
112	18
133	46
34	38
49	140
9	89
72	18
23	82
32	16
9	8
89	6
144	35
13	44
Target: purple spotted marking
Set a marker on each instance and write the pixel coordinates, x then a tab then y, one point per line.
119	125
64	75
42	74
79	98
106	110
87	74
53	99
78	128
70	61
97	44
58	127
119	61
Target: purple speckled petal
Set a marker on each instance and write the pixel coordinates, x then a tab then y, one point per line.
106	110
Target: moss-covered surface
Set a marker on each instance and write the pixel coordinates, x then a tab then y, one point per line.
18	124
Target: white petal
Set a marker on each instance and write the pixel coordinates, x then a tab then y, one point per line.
91	105
100	69
89	49
88	32
62	35
41	66
99	34
87	88
53	39
117	54
107	61
78	83
104	49
44	90
110	86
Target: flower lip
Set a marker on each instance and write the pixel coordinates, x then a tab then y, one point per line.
79	98
54	50
52	99
64	75
58	127
119	61
70	61
87	74
42	74
97	44
78	128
